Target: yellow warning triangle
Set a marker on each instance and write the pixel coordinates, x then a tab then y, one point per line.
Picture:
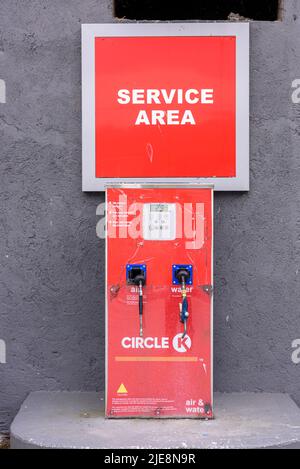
122	389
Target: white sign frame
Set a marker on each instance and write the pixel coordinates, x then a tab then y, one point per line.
239	30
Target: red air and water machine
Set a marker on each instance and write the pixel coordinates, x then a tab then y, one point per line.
159	301
165	122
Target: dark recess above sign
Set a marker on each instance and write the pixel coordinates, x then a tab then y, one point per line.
196	9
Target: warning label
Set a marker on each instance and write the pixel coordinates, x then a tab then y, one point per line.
148	405
122	389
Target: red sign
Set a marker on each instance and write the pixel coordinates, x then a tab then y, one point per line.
159	373
165	106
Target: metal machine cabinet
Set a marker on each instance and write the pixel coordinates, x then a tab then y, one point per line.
159	301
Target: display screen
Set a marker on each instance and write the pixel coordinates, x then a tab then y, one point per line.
159	208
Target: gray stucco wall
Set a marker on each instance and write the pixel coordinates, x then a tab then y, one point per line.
52	263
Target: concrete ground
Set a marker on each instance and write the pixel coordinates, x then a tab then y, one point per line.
76	420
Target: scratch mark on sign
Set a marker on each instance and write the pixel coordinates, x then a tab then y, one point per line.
149	150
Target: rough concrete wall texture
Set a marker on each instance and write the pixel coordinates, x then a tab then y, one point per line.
52	263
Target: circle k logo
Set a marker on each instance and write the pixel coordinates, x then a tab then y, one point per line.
179	344
182	344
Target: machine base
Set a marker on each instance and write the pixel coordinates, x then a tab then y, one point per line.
76	420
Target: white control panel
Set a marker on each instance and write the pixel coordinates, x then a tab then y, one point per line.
159	221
